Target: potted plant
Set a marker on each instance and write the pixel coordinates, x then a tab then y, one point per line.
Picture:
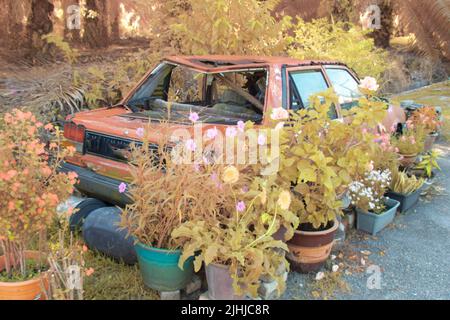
165	194
236	246
409	145
427	164
30	189
428	118
319	158
374	210
405	189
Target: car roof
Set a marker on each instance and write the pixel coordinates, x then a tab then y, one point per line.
218	63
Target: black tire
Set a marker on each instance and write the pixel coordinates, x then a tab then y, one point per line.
82	211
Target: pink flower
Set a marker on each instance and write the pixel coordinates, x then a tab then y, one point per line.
364	130
262	139
369	83
122	187
191	145
240	206
90	271
231	132
140	132
194	117
279	114
212	133
394	128
241	126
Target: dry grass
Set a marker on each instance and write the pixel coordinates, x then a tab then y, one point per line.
114	281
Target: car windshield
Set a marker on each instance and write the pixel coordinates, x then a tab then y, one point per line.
171	92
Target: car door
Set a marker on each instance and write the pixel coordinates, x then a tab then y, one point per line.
304	82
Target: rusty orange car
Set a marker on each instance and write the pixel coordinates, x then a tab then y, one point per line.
223	90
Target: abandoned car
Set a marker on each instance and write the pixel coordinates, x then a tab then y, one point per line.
221	89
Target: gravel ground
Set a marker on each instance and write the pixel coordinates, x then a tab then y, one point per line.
413	254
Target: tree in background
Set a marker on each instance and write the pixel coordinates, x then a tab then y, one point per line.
39	24
114	19
96	24
14	27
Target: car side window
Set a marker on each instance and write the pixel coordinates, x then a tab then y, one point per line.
304	84
345	86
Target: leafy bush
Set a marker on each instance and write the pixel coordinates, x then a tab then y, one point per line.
30	186
426	117
410	142
322	157
165	194
224	27
240	237
339	41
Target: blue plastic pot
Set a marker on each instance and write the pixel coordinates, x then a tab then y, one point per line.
371	222
407	201
159	268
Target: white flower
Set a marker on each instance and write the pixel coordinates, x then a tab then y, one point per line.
279	114
191	145
212	133
369	83
231	132
335	268
320	276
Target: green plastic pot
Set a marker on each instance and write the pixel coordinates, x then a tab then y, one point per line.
159	268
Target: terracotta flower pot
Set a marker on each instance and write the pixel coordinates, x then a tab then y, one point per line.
220	283
308	250
407	160
429	142
24	290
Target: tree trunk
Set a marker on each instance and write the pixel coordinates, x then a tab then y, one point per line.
14	26
39	24
96	24
114	19
72	20
382	36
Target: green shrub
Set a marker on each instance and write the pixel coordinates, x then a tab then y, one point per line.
339	41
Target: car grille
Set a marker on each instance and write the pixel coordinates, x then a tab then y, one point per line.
110	147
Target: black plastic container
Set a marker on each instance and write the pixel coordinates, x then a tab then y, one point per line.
407	201
102	233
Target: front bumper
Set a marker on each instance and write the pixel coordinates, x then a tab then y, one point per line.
97	186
